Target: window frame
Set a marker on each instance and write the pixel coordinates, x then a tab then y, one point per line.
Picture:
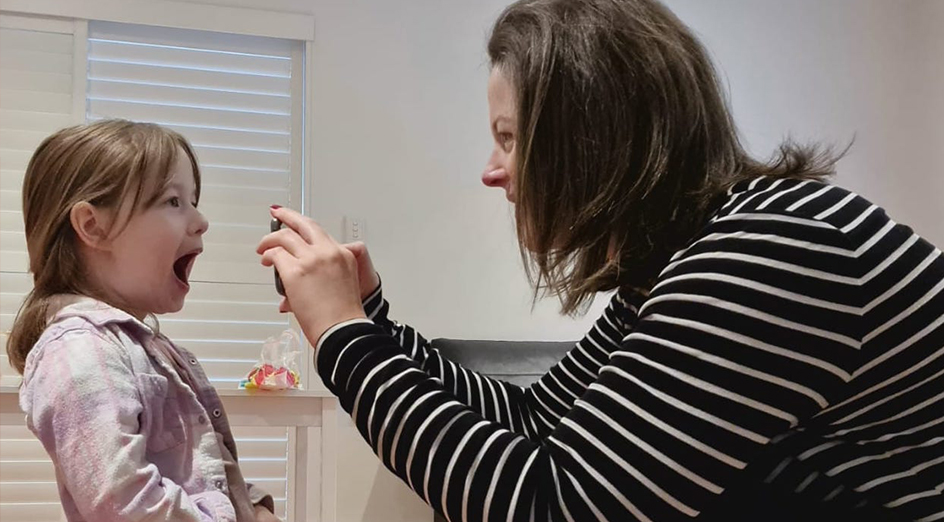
174	14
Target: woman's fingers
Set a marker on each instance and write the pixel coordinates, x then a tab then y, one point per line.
306	228
270	254
287	239
277	256
366	273
320	276
358	248
298	237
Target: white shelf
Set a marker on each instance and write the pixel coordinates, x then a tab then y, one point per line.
274	394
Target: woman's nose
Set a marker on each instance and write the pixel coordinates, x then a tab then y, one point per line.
495	176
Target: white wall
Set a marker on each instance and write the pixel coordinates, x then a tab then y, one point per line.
837	70
283	6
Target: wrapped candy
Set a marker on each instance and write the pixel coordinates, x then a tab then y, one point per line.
268	377
277	368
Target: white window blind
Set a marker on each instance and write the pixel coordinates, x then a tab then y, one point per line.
238	100
36	64
28	488
36	95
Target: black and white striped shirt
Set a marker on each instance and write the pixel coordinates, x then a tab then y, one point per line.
793	351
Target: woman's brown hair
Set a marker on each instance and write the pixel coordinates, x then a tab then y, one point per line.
625	145
103	163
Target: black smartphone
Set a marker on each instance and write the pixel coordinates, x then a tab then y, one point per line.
273	226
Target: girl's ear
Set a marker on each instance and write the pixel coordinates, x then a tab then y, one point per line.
91	225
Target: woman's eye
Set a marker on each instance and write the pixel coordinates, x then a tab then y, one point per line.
505	139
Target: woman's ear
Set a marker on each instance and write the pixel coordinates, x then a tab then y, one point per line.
91	225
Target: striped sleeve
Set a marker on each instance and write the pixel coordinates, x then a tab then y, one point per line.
533	411
749	332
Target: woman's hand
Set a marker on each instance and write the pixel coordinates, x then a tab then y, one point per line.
319	275
264	515
366	274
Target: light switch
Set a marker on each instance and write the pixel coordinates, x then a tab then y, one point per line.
354	229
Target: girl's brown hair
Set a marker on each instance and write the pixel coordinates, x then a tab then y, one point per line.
103	163
625	145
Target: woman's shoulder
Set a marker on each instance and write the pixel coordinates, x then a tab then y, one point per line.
803	226
802	198
812	203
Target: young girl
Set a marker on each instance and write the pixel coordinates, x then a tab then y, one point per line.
133	426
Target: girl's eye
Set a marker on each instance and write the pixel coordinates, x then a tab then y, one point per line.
174	202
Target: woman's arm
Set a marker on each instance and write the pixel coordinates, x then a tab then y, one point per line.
718	365
533	411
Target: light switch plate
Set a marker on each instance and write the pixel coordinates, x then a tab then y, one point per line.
354	229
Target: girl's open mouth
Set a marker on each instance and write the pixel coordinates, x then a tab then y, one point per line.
183	266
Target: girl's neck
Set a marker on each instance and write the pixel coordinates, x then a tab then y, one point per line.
116	302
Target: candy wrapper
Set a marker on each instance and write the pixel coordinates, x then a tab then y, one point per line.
277	368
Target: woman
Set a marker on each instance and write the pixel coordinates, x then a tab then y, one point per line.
775	347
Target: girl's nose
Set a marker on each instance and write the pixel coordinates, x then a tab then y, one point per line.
200	225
